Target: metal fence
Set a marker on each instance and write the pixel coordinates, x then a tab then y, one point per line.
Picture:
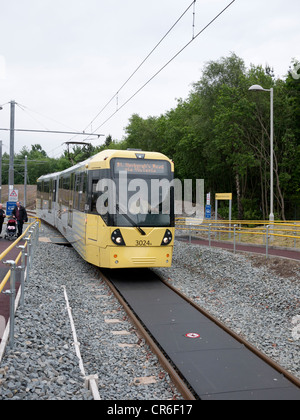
281	234
25	256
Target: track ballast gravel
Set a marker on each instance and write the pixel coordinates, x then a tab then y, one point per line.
249	296
256	297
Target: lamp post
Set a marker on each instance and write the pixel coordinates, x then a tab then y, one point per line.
258	88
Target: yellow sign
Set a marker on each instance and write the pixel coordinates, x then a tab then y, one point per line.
224	196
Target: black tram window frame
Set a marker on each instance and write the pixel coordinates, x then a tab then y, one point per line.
66	184
83	196
94	177
39	189
54	190
158	173
79	188
76	191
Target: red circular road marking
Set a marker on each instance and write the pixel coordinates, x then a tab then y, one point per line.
192	335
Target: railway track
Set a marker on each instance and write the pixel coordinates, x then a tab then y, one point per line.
205	359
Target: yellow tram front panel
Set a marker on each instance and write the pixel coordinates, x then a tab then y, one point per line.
130	257
139	250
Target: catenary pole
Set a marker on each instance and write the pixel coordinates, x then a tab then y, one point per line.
12	146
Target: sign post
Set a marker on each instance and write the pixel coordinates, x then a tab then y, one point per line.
13	195
224	196
208	207
208	211
10	205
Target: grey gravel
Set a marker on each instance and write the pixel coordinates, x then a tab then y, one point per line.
43	364
255	297
240	290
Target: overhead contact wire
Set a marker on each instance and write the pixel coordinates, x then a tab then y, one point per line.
142	63
162	68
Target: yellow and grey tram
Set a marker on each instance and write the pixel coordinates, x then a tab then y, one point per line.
116	208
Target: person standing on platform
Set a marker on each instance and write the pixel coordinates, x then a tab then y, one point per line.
19	213
2	217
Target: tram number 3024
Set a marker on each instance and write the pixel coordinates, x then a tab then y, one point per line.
143	243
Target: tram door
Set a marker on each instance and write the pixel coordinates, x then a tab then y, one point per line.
54	199
71	198
50	196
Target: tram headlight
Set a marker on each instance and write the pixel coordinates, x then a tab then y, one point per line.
167	239
117	237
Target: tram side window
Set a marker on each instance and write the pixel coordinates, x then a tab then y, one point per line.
95	194
80	191
60	185
54	189
39	195
46	190
76	192
39	190
60	195
83	189
66	190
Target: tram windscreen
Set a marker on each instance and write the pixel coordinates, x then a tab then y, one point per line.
144	193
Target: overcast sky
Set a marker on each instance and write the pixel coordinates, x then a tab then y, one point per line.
63	60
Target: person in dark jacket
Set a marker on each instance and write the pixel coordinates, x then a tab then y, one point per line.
2	217
19	213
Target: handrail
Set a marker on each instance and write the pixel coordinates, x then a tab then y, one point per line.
246	231
7	276
197	221
7	251
30	243
274	230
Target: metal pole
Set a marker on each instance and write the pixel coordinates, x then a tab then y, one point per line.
12	294
267	241
216	215
22	268
25	183
272	157
234	236
12	146
29	252
12	303
230	216
28	255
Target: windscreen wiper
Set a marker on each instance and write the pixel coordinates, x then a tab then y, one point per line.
142	232
131	221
